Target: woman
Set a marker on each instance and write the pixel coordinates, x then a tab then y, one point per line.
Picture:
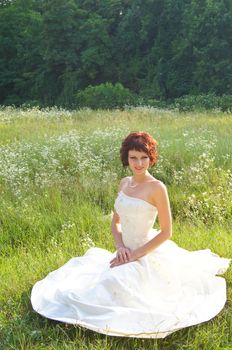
139	151
149	287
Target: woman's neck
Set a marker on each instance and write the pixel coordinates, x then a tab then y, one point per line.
141	178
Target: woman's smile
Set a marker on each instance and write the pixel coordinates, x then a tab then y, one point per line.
138	168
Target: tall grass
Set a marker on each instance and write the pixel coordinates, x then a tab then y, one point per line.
59	173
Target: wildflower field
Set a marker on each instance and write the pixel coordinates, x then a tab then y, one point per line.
59	174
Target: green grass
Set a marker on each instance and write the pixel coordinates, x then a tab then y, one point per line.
59	173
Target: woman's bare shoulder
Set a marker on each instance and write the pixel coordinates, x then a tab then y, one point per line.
157	187
123	182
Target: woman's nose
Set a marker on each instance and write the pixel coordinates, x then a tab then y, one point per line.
139	161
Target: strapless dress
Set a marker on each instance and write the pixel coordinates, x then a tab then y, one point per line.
168	289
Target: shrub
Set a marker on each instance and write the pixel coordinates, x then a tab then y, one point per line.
203	102
225	103
159	104
105	96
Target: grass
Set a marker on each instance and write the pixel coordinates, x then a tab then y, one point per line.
59	173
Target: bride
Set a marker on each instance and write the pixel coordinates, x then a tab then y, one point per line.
149	287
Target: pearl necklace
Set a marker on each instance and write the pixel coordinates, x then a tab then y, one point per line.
137	184
133	186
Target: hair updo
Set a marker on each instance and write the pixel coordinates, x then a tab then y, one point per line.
139	141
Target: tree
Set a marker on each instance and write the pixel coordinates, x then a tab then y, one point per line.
19	52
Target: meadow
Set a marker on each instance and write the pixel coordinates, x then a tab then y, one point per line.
59	175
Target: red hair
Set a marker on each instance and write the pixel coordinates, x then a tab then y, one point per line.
139	141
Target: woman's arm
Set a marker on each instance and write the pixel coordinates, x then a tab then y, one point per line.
123	253
116	231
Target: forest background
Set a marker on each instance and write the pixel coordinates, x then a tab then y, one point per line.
158	50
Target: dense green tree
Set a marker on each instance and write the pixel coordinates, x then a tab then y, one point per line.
96	50
162	49
77	49
201	60
20	58
159	59
61	43
211	38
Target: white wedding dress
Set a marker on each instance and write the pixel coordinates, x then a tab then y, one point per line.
166	290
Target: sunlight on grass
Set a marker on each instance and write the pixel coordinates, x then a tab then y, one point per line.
59	173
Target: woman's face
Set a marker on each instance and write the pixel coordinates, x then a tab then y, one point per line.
138	161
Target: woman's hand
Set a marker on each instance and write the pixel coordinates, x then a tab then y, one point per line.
123	256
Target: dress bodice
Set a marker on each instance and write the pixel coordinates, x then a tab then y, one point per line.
137	218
